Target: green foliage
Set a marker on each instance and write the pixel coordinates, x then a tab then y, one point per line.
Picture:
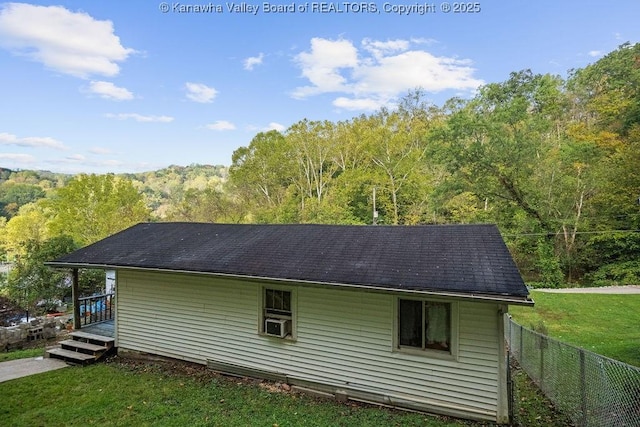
208	205
92	207
610	88
31	282
30	225
617	274
612	259
90	282
541	157
13	196
163	189
548	265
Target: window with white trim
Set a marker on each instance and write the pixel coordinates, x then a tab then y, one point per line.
426	325
277	312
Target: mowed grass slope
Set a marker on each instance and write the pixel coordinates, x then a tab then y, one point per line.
601	323
127	393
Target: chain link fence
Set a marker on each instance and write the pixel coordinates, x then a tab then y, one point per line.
591	389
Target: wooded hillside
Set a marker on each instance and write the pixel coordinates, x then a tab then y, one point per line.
553	161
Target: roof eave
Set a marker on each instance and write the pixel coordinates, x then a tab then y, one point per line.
499	298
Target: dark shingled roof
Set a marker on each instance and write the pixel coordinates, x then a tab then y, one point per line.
467	259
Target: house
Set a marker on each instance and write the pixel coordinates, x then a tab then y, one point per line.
407	316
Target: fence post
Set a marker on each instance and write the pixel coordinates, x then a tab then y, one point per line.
521	354
511	397
583	389
541	363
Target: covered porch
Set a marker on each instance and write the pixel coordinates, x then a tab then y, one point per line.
94	314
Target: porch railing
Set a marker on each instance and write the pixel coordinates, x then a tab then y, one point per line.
96	308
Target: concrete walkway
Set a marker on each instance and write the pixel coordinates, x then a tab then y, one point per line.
22	367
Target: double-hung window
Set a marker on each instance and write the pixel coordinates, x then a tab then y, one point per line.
426	325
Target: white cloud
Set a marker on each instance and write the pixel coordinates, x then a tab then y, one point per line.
379	49
199	92
322	65
76	158
100	151
379	72
595	53
139	117
252	61
69	42
31	141
275	126
367	104
108	90
221	125
17	158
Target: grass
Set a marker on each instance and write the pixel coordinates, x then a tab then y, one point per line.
21	354
127	393
602	323
531	407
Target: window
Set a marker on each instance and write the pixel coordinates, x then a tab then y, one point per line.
277	303
425	325
277	313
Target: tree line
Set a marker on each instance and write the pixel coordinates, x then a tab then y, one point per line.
552	161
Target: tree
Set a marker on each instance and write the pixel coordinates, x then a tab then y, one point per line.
13	196
397	150
208	205
92	207
313	147
29	225
30	282
608	91
495	142
261	172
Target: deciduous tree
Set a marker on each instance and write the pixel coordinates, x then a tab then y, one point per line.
92	207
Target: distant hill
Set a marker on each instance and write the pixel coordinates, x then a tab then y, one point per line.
161	188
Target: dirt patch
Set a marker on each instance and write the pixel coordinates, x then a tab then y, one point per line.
9	312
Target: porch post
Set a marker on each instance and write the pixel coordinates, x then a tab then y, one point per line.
75	292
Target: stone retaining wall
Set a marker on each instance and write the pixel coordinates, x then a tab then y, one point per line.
40	328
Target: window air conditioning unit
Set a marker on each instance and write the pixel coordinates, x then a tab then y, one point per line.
277	327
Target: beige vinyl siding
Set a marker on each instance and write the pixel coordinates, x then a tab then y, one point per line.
344	339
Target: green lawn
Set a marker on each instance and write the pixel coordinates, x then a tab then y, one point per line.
129	393
123	393
604	324
176	394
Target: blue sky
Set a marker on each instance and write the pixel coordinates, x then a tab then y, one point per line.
105	86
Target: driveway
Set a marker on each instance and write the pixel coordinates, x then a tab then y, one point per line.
633	289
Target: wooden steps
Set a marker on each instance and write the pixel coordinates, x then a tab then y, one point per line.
71	356
82	348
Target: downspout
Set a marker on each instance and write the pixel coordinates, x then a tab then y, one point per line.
75	293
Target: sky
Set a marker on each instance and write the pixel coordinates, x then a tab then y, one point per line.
104	86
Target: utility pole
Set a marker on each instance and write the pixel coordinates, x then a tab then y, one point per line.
375	212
